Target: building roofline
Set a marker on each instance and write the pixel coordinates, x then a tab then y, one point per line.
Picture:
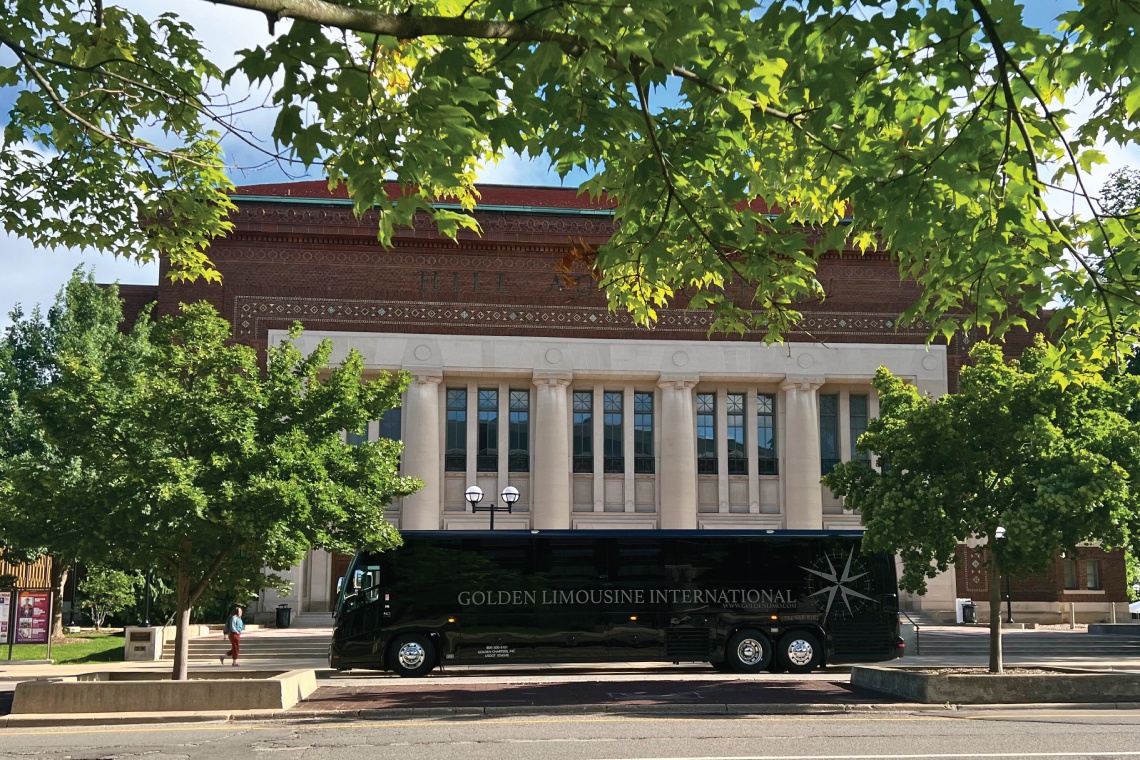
484	207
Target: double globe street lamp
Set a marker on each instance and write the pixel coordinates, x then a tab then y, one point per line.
474	495
999	534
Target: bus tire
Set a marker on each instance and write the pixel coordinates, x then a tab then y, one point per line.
412	655
748	651
799	652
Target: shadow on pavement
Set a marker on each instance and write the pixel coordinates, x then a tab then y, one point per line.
571	694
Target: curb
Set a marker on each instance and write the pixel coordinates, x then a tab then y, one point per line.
707	710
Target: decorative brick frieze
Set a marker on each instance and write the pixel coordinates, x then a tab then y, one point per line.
394	316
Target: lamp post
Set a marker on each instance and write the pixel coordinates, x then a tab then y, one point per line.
474	495
146	602
74	595
999	534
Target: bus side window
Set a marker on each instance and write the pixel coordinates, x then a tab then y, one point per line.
571	560
511	558
720	564
638	562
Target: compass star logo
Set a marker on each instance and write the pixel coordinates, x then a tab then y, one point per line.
839	583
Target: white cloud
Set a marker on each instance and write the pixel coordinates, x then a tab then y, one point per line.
29	276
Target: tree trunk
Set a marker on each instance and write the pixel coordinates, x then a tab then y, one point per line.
182	636
59	572
995	613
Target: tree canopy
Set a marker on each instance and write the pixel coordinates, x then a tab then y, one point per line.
178	453
739	140
84	323
1011	454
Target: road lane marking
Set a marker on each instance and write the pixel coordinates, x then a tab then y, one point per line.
942	756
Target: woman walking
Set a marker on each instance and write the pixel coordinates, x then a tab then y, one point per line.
233	629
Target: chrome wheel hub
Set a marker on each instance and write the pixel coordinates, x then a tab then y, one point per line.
800	652
750	652
411	655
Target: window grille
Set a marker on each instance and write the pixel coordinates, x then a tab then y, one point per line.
455	452
706	433
583	431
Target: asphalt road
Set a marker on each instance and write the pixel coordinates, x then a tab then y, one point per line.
914	736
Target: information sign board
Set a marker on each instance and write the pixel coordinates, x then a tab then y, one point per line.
33	617
5	615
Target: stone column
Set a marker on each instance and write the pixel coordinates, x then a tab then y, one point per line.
551	501
722	450
844	411
599	449
872	413
629	488
504	441
678	453
803	497
422	453
750	441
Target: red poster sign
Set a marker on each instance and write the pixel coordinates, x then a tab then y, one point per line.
33	617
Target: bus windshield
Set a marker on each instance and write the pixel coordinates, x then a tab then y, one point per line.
360	585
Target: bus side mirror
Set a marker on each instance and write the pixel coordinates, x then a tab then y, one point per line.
339	585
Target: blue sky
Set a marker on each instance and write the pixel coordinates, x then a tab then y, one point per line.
31	276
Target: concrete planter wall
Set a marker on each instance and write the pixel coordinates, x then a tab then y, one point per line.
114	692
933	688
1131	630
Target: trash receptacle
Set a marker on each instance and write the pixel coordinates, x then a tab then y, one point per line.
284	615
969	613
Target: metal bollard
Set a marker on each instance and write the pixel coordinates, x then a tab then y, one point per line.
1072	615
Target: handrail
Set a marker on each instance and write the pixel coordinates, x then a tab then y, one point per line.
917	631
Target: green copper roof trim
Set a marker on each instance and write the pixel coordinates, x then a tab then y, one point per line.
488	207
445	206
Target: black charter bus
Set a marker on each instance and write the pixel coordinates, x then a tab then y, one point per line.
741	601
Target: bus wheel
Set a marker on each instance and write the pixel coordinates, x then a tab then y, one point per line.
748	651
799	652
412	655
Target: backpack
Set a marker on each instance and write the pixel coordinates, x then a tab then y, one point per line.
229	626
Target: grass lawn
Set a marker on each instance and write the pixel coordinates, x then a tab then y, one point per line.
75	649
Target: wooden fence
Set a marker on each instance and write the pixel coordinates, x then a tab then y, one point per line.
31	575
